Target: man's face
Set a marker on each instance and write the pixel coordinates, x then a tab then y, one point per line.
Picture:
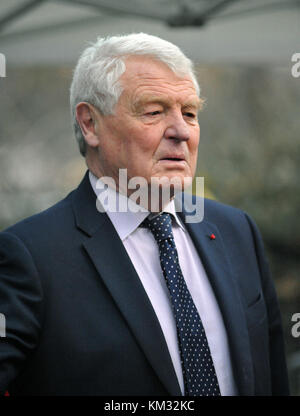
154	131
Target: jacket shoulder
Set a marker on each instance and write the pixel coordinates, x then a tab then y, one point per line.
212	210
215	207
45	222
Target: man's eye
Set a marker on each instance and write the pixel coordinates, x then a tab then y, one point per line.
153	113
190	115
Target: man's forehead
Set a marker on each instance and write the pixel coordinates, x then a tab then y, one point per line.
146	68
147	80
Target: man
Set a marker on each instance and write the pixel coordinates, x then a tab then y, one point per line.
104	301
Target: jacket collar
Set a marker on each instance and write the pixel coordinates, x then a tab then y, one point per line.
115	268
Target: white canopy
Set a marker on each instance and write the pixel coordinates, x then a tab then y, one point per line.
34	32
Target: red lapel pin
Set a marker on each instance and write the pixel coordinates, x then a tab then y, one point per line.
212	237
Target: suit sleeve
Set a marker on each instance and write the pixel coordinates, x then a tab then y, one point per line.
20	304
280	384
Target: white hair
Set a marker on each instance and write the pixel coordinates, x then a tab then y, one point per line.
96	76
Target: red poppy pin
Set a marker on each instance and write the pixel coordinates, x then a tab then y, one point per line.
212	237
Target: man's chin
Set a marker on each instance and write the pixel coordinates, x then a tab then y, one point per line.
155	192
177	183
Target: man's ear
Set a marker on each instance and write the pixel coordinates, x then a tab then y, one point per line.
86	117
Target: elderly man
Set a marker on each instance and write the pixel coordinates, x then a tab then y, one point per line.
104	301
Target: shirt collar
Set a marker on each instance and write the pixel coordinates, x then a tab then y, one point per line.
127	222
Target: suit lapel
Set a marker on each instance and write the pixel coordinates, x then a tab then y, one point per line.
217	265
123	283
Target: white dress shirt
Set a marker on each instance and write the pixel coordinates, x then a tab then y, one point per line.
143	252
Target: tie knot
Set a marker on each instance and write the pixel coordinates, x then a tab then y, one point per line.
160	226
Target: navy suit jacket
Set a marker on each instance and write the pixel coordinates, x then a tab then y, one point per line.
79	322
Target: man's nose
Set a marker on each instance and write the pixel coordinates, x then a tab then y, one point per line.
177	128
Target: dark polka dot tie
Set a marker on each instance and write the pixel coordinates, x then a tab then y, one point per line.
197	365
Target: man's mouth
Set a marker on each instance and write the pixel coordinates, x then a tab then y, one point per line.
176	159
173	158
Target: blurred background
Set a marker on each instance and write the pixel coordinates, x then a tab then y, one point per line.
250	127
